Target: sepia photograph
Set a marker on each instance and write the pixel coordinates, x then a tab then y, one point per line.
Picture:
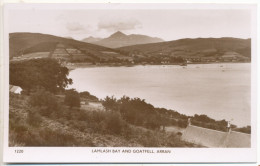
130	78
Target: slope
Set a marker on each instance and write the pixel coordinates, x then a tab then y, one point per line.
200	47
26	43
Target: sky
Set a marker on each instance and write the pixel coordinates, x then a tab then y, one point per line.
168	24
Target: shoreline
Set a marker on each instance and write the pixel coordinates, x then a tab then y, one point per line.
73	66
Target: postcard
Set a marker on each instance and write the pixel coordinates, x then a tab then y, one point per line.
130	83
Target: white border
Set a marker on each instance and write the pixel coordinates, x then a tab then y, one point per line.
83	154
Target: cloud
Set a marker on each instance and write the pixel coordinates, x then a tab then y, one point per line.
75	26
78	28
119	24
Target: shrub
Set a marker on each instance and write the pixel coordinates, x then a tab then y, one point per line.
153	122
83	116
149	139
18	128
128	132
246	129
34	118
110	103
179	133
182	123
44	101
81	126
88	96
17	132
114	123
99	116
72	98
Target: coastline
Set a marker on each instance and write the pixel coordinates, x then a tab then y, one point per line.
73	66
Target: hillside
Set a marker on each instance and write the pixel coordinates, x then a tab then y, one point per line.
87	126
25	46
91	39
194	48
120	39
36	45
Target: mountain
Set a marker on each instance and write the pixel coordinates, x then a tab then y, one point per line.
199	47
120	39
118	35
91	39
37	45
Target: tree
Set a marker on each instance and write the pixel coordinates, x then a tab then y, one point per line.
45	72
88	96
72	98
110	103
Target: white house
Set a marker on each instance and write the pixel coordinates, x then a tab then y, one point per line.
15	89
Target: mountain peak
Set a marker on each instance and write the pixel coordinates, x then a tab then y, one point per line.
119	39
118	34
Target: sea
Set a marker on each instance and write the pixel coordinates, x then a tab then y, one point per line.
220	91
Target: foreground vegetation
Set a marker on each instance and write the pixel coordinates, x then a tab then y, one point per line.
32	124
138	112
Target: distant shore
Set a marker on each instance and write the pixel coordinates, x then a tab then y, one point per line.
73	66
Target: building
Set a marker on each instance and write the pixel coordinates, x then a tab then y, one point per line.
192	59
15	89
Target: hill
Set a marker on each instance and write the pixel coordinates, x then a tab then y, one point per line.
36	45
91	39
209	48
120	39
201	50
87	126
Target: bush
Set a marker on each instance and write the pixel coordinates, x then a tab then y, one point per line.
97	116
83	116
34	118
182	123
246	129
105	122
110	103
18	128
44	101
81	126
114	123
153	122
148	139
56	138
72	98
88	96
